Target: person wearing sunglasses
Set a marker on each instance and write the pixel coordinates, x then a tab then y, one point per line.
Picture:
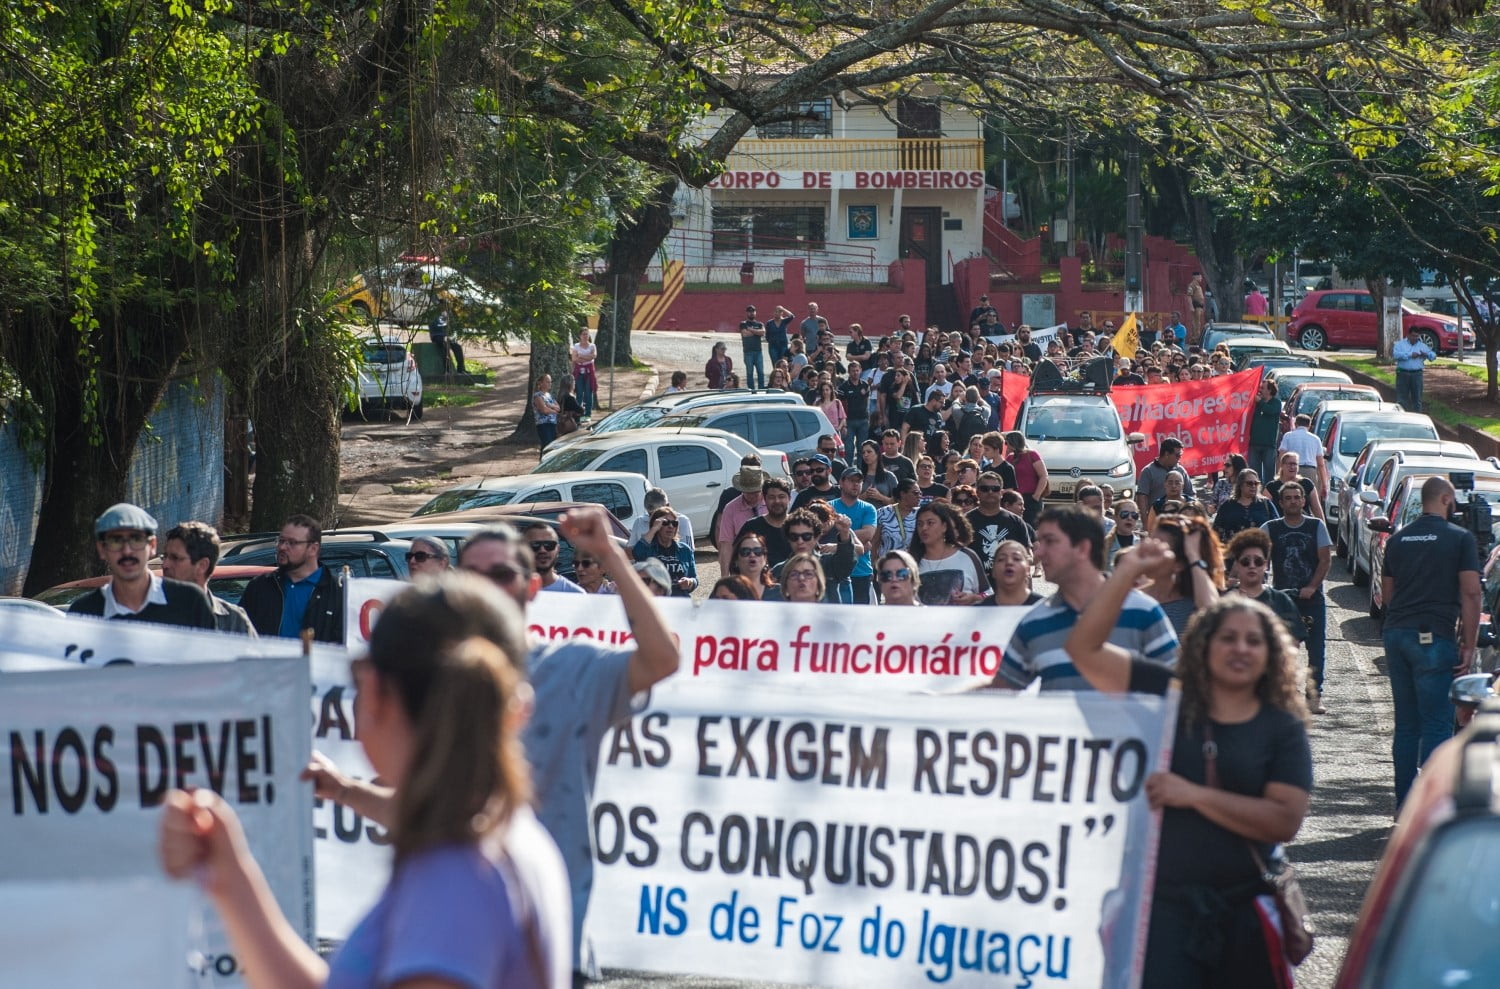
543	541
1249	556
804	529
748	559
125	538
801	580
428	557
1126	531
898	579
588	573
991	522
660	542
1247	508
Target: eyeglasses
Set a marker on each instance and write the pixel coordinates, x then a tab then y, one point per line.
284	541
1251	561
544	545
135	540
500	573
801	473
420	557
1128	515
666	523
886	576
581	562
800	575
965	502
801	537
989	489
746	552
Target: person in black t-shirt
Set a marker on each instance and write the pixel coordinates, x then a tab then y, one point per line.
891	457
778	495
928	420
1241	777
992	524
1430	586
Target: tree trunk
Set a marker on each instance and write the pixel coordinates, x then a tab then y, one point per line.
1383	341
638	236
297	452
1218	254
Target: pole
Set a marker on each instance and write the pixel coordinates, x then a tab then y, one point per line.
1004	177
614	339
1134	229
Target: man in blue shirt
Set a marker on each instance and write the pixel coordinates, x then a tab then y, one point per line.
1411	354
302	593
861	516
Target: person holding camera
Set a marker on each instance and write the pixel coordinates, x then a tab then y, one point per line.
1430	586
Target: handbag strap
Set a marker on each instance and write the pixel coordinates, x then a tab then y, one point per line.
1211	778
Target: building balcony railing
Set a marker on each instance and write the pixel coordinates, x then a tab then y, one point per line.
858	154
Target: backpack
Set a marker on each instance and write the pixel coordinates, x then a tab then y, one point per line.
974	422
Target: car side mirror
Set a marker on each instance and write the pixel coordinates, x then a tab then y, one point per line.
1135	439
1379	524
1471	689
1369	497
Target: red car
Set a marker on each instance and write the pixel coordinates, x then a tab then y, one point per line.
1346	317
227	582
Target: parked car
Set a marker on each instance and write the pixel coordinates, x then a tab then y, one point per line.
693	466
1324	412
227	581
366	552
1405	505
1367	465
1288	378
652	410
1241	349
1306	396
792	430
388	377
454	527
1081	440
1351	428
1429	913
1278	361
408	292
1218	333
1346	317
1377	500
623	496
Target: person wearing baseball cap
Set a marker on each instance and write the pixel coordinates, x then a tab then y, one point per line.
125	538
752	345
822	487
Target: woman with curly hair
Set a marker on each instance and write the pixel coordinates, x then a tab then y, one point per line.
1194	575
748	558
1239	783
951	572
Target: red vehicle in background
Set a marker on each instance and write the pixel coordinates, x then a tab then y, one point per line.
1346	317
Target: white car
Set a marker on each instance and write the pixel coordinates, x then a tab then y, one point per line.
1081	440
1362	474
408	292
1350	429
388	377
1376	500
622	495
693	466
792	429
650	411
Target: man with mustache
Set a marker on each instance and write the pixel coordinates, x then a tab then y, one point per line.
125	537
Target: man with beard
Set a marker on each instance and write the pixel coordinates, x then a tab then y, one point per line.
543	542
302	593
777	494
992	524
125	538
822	487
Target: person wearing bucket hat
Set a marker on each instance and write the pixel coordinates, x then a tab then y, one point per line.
749	505
125	539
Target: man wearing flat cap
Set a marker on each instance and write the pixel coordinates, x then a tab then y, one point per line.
125	537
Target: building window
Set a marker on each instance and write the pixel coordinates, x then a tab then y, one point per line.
814	119
769	228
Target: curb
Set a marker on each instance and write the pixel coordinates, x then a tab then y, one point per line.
1483	443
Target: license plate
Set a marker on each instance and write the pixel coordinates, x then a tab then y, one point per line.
1065	487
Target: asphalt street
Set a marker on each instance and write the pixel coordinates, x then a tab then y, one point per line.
1352	805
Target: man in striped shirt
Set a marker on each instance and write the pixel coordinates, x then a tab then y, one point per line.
1070	547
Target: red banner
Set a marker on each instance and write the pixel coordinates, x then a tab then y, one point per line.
1210	417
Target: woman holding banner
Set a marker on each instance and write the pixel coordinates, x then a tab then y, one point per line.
478	894
1239	783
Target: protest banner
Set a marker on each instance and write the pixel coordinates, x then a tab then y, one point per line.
1040	337
1211	417
91	757
816	837
98	642
837	647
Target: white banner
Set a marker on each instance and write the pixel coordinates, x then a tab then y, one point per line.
815	837
99	642
91	757
840	647
1040	337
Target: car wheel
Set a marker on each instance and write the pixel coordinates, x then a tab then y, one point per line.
417	410
1312	338
1340	546
1357	573
1431	339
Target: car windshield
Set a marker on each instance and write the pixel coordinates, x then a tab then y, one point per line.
682	420
1072	422
1311	398
638	417
1449	926
1357	434
568	458
459	501
383	352
1409	306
